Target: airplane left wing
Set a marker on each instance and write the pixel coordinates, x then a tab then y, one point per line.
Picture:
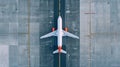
49	35
69	35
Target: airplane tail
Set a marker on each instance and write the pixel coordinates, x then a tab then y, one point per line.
57	51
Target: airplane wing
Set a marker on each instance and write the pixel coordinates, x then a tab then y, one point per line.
69	35
49	35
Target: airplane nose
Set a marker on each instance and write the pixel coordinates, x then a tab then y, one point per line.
59	17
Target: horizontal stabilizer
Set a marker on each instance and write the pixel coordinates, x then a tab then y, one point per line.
62	51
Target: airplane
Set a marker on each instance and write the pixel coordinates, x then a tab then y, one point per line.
59	33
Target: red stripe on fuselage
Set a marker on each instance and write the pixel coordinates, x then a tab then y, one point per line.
59	49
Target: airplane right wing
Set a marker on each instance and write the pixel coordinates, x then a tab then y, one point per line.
69	35
49	34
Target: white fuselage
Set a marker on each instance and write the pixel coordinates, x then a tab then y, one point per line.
60	33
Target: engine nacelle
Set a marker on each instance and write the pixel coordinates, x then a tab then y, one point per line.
66	29
53	29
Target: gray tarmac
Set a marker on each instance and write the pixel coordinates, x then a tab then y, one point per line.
95	21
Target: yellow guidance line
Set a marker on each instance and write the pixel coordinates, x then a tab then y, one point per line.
59	53
59	7
59	60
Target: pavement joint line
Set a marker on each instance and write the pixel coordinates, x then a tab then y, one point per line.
90	13
104	33
90	31
28	46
